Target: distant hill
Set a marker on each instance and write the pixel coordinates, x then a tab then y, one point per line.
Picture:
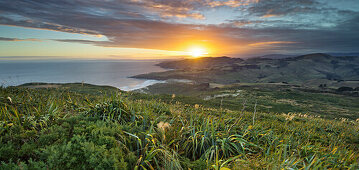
320	67
282	56
199	63
345	54
276	56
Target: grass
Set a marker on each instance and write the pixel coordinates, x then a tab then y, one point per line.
273	98
71	128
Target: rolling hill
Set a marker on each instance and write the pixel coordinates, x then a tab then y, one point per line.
311	69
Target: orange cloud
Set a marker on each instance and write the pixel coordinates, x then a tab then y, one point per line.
269	43
232	3
192	15
172	9
269	15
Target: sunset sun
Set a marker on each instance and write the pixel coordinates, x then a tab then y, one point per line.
197	52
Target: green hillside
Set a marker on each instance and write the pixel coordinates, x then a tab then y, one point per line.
268	97
81	126
311	70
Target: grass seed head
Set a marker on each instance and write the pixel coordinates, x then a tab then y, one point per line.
163	125
196	106
10	100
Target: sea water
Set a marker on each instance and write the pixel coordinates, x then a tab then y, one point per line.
113	73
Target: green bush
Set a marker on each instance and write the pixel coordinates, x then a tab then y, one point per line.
114	110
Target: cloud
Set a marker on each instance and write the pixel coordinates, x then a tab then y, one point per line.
271	43
172	25
45	25
278	7
173	8
79	41
16	39
232	3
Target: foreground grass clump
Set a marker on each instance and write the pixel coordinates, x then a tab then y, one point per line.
63	129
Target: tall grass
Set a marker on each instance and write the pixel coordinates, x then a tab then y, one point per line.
59	129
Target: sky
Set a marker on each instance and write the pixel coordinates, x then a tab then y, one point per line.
162	29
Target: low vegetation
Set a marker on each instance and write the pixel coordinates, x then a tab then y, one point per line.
272	98
81	127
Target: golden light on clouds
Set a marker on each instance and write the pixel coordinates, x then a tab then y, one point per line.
268	43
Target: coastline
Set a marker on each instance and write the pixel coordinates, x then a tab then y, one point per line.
147	82
115	74
35	85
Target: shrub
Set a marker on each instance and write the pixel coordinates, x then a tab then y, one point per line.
114	110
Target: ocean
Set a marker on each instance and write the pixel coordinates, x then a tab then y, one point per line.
112	73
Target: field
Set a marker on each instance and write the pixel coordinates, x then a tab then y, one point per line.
81	126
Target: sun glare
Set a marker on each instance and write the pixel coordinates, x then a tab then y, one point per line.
197	52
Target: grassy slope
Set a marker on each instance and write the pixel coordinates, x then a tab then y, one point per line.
70	127
274	98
